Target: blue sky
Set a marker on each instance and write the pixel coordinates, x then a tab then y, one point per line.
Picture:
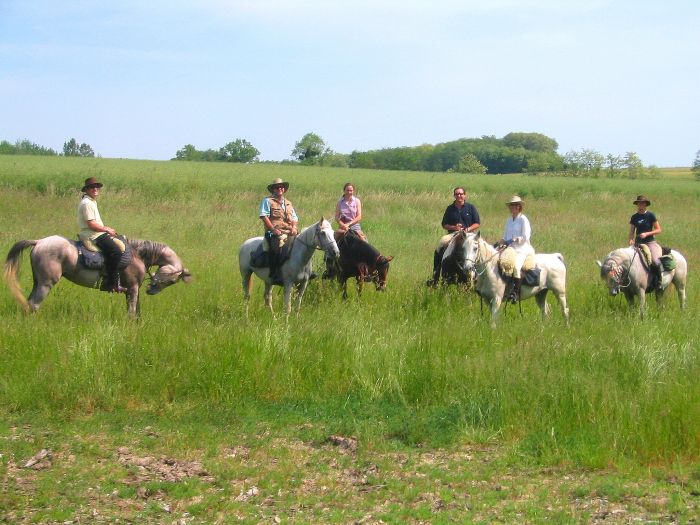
140	79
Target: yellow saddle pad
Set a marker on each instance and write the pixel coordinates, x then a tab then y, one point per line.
529	263
506	261
91	246
646	252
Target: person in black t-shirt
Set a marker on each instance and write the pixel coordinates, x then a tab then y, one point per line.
643	227
458	216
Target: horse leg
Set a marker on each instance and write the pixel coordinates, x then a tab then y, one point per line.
267	294
301	288
360	282
44	280
287	299
133	307
247	284
541	298
561	297
679	283
642	303
495	306
344	287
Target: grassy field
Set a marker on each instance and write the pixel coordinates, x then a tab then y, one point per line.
198	414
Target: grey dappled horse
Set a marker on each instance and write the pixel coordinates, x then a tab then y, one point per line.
55	257
482	258
295	271
623	271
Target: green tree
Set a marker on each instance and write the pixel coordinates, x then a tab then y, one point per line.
71	148
239	150
309	149
188	152
469	163
531	141
632	164
696	165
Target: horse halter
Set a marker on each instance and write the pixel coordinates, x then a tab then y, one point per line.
616	273
158	283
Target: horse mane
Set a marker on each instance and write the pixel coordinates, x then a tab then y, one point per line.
148	251
364	250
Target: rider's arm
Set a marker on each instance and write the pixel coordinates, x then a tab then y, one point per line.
655	231
633	229
96	226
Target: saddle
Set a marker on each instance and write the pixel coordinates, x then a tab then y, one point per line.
260	257
90	256
529	271
668	262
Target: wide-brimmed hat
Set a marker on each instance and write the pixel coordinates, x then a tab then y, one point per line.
278	182
515	199
91	182
642	198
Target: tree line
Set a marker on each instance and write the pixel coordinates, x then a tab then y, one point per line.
71	148
529	153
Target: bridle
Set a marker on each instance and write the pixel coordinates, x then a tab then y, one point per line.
480	260
317	235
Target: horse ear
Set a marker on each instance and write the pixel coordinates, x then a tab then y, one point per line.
478	234
600	264
389	258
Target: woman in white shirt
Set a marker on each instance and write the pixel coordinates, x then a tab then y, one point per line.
517	236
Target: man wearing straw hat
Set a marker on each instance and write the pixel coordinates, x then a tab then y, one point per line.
92	229
280	221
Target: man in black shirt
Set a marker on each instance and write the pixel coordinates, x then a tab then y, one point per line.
458	216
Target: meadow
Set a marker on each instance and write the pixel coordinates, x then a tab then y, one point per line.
402	374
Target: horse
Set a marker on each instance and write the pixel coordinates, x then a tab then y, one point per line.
295	271
358	259
55	257
623	270
482	258
453	269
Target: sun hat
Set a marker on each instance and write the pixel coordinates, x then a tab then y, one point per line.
515	200
278	182
642	198
91	182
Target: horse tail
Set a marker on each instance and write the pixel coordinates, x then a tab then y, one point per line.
12	270
560	257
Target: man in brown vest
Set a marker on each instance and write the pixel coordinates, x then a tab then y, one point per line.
280	221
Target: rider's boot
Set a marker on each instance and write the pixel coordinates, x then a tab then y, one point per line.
437	267
658	272
515	292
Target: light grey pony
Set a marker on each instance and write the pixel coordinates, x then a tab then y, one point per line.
55	257
482	258
295	271
623	271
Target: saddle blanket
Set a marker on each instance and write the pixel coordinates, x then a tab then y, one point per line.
95	260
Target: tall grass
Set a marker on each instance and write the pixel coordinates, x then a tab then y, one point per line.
411	364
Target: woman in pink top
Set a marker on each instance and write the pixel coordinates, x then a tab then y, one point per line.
348	213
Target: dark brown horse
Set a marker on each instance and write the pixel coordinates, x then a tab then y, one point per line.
361	260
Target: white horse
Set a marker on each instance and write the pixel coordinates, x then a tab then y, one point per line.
482	258
296	270
623	271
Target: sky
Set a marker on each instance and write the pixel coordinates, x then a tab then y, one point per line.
141	79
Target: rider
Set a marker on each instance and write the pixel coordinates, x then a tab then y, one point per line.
348	213
93	229
517	236
643	227
280	221
458	216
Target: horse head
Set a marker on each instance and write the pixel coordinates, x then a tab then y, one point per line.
612	272
382	272
326	240
468	250
170	268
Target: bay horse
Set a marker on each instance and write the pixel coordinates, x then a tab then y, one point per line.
481	257
623	271
295	271
55	257
361	260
